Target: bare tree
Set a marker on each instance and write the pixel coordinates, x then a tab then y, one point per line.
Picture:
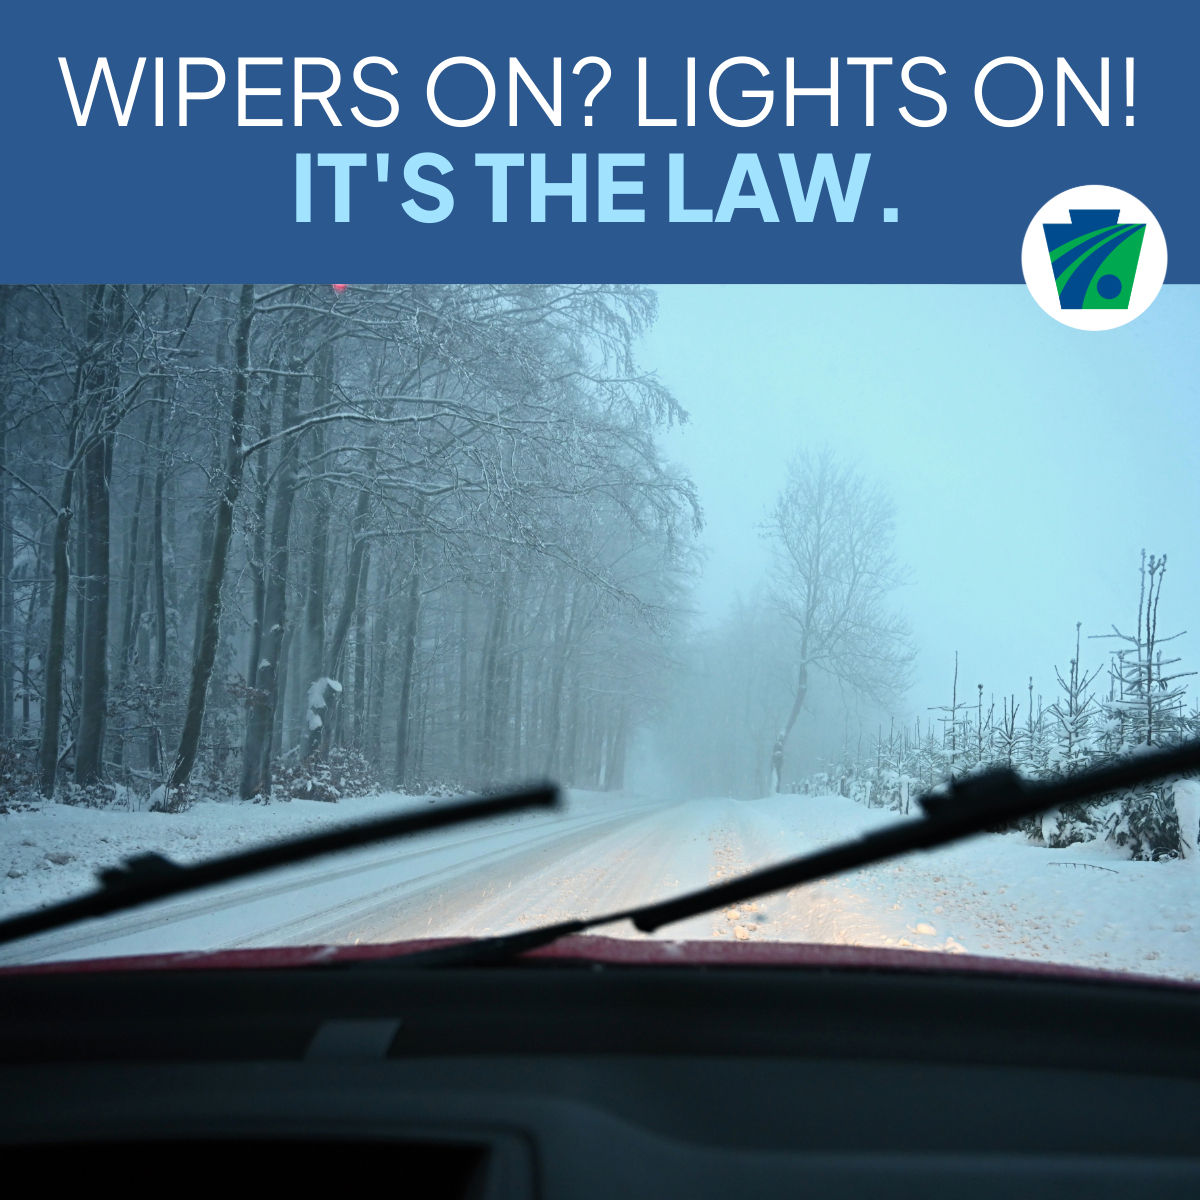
832	531
209	621
1145	693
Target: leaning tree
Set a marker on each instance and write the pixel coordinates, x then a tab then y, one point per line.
831	532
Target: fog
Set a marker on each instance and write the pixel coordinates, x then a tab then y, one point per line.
1029	463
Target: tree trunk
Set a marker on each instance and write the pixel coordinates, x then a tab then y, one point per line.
408	654
360	654
104	328
318	555
260	720
517	748
207	527
555	694
785	732
614	771
355	572
79	569
490	676
279	723
381	653
160	602
206	642
93	706
6	582
56	642
464	682
6	548
135	589
42	549
570	770
258	543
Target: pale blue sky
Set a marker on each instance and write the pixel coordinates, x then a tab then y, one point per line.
1029	462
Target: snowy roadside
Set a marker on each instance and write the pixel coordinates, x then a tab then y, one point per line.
994	895
52	853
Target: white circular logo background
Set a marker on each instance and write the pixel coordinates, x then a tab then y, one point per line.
1039	271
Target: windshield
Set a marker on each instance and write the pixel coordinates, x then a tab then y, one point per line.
744	570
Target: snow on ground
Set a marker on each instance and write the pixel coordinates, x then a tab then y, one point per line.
994	895
52	853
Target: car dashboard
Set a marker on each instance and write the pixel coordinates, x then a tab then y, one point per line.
569	1078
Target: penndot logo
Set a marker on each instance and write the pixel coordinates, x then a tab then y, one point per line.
1094	257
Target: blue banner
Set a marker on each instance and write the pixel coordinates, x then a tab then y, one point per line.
780	143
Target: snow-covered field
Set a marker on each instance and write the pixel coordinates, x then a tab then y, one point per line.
995	895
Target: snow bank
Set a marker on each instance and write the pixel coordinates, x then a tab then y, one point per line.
1085	905
53	852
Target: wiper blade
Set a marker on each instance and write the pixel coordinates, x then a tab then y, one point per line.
149	877
965	807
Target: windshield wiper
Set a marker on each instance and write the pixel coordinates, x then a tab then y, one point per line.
148	877
966	806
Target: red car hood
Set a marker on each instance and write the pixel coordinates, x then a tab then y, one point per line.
623	952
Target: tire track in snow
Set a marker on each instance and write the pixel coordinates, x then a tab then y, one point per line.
823	911
588	872
405	909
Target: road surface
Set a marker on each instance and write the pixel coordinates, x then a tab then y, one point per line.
510	873
992	895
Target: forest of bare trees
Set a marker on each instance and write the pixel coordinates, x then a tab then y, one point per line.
314	535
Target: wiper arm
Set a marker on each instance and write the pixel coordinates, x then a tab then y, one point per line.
963	808
148	877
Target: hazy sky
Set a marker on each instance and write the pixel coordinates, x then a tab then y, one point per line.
1029	462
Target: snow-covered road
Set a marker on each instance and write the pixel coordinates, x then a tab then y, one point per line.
995	896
